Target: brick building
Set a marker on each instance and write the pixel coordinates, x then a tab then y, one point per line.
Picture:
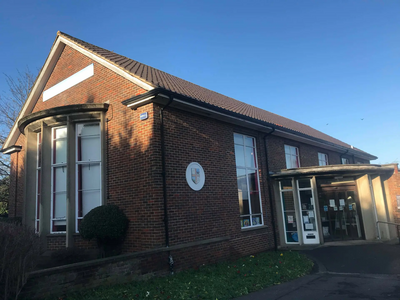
189	166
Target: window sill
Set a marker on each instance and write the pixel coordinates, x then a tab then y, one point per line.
254	228
62	234
56	234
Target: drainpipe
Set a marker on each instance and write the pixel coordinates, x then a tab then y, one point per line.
16	188
164	182
269	190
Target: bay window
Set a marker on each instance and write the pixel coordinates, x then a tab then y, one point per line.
247	180
83	168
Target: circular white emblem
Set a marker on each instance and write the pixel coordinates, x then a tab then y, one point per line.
195	176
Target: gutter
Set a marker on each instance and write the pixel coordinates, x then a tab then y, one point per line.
151	96
271	202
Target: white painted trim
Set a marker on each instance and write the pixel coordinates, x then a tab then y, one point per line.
255	169
304	233
77	163
107	64
11	150
297	150
53	166
283	213
141	101
325	159
69	82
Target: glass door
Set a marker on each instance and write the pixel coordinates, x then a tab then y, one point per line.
308	214
340	213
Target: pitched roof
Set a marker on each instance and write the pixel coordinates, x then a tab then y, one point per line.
159	79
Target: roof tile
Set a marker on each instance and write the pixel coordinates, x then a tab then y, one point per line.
157	78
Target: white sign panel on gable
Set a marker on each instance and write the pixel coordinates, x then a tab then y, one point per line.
69	82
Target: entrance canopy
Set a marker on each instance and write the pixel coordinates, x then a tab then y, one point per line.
335	202
332	170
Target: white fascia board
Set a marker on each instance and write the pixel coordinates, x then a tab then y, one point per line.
140	102
12	150
107	64
69	82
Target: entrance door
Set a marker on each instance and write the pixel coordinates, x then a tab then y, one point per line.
308	212
340	213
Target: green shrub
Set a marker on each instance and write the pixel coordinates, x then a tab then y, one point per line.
107	224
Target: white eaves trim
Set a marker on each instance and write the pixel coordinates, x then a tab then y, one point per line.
69	82
45	73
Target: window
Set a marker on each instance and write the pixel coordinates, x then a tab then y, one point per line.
38	178
88	169
83	167
288	211
59	179
292	157
323	159
248	182
345	161
398	201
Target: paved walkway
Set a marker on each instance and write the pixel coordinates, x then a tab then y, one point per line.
345	271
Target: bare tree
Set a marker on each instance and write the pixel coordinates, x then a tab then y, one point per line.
11	103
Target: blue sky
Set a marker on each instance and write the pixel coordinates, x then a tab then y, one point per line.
333	65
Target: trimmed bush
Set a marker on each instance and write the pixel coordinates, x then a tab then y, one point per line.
19	252
107	224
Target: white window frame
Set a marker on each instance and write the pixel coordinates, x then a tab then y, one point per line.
345	161
281	191
53	166
38	180
323	159
77	164
292	151
245	168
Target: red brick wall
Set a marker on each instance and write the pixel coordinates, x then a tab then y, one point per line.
214	210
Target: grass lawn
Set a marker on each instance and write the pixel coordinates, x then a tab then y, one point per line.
220	281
